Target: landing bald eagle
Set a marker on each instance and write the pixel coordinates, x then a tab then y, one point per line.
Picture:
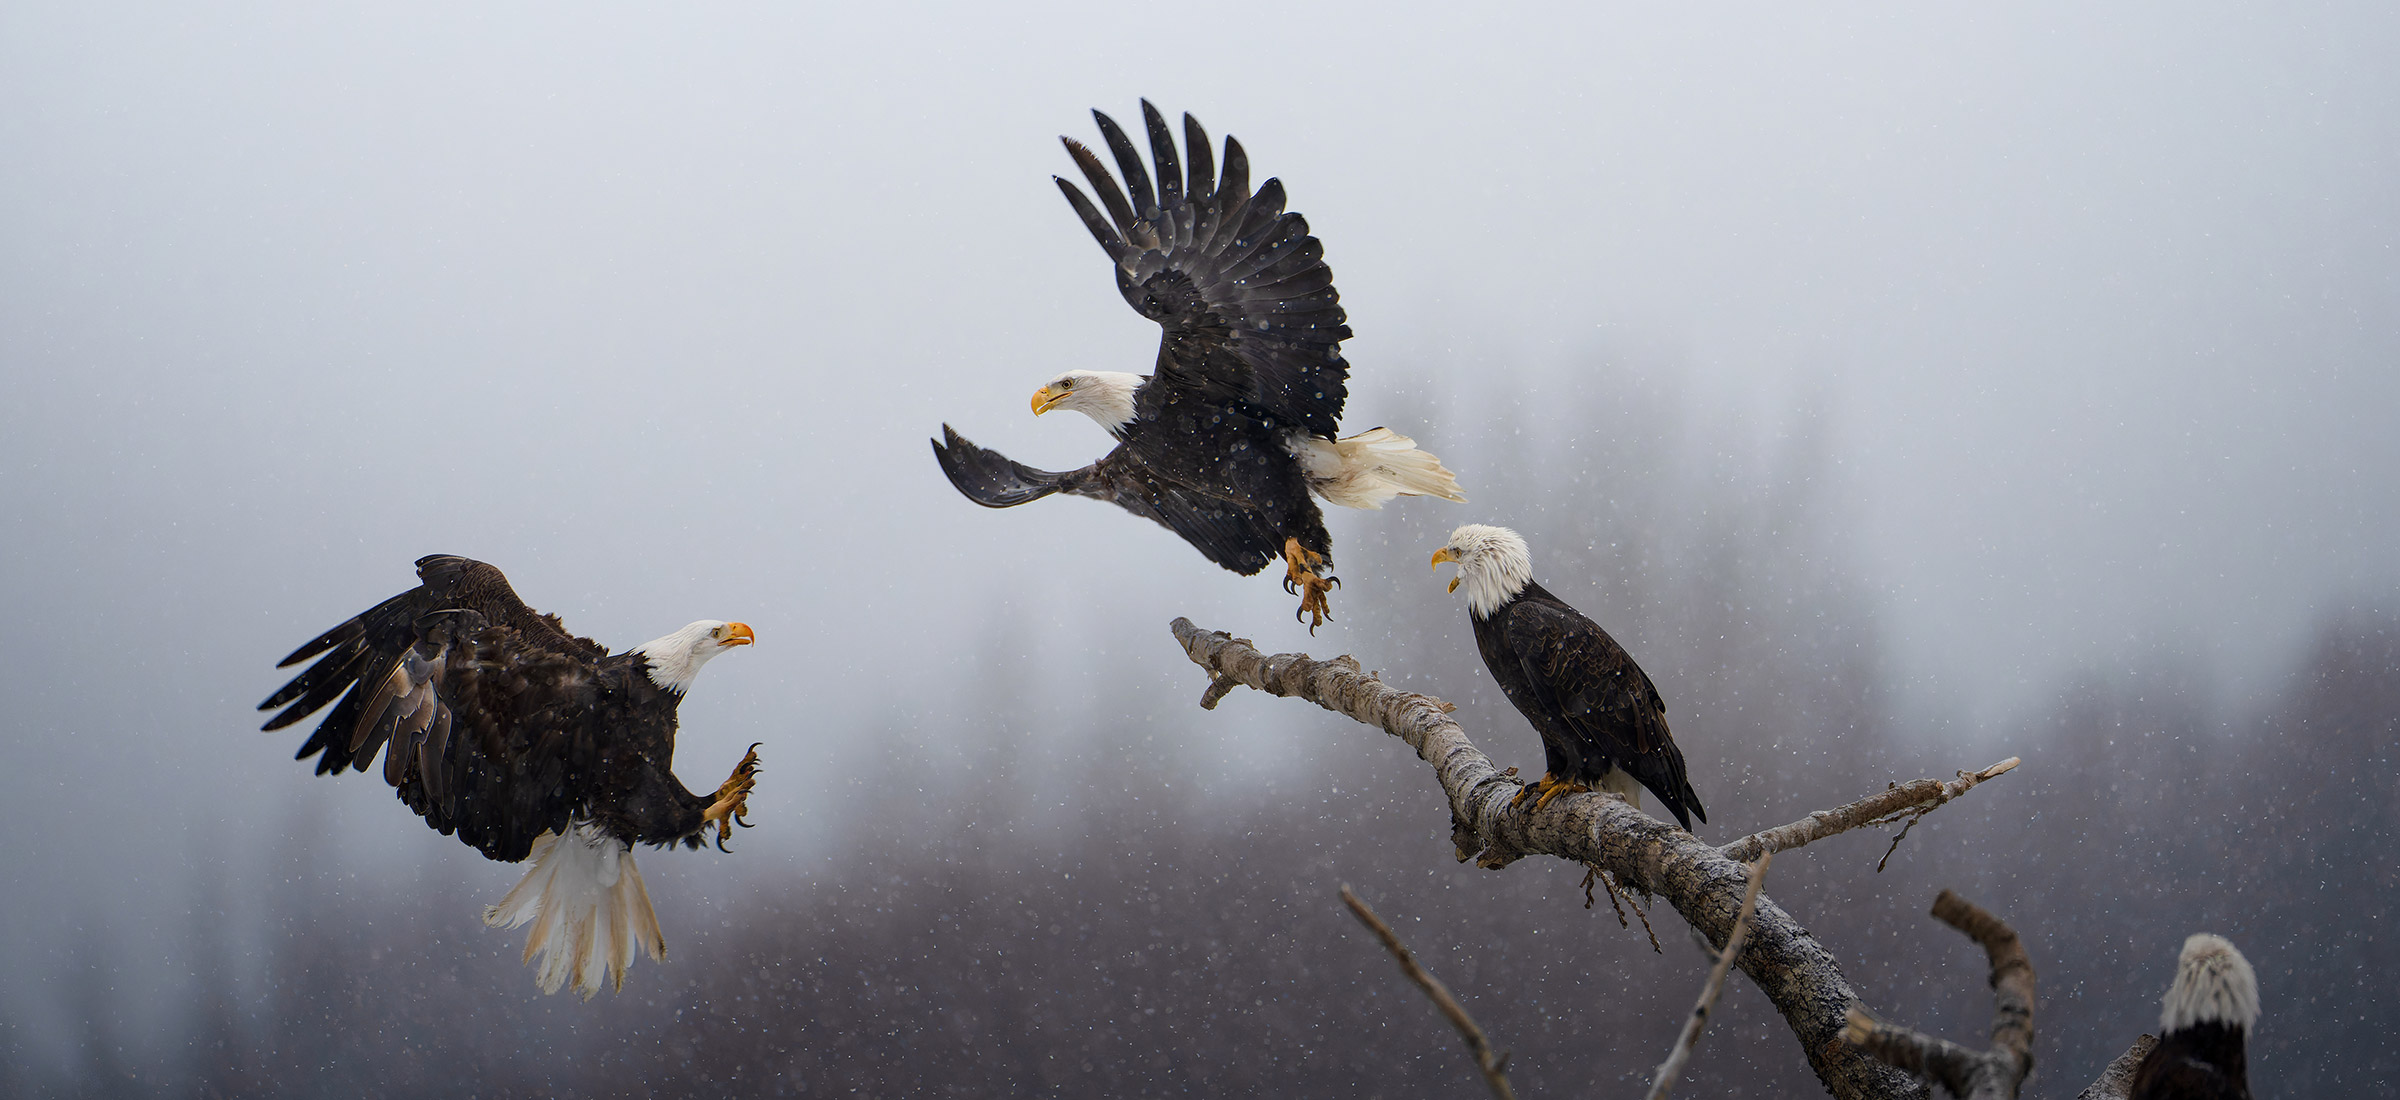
523	740
1600	718
2203	1027
1225	441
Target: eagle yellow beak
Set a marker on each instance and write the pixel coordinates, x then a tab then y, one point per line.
1443	555
1045	398
737	634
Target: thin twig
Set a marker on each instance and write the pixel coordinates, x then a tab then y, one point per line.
1914	798
1898	837
1593	872
1673	1066
1494	1067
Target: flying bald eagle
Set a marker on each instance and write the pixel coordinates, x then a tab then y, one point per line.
1224	442
523	740
1600	718
2203	1027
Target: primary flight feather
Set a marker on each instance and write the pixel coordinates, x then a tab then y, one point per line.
1228	437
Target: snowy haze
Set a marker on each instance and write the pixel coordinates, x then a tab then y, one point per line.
2090	320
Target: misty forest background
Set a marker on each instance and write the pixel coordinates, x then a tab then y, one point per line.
1112	915
1907	389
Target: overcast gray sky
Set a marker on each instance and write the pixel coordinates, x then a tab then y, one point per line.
655	308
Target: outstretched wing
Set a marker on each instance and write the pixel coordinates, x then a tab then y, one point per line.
1237	282
1238	538
484	704
1584	676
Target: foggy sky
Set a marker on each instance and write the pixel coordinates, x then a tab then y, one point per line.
2094	312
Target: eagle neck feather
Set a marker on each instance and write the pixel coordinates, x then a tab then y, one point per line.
1115	402
1494	567
674	661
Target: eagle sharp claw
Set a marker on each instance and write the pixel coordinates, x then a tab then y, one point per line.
1547	789
733	799
1300	579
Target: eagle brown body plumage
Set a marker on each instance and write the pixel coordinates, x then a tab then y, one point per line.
525	726
1594	708
2203	1062
1602	722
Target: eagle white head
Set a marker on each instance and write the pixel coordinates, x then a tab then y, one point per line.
1493	562
675	660
2213	985
1104	395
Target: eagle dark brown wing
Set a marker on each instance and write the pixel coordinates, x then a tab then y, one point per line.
1240	539
1585	678
487	706
1238	284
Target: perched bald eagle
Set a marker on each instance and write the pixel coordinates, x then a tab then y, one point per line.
2203	1027
1601	720
523	740
1225	440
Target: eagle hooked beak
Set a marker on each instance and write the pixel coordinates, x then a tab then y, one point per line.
1443	555
1047	398
737	634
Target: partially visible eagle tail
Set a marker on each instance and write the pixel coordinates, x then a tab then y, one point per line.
588	909
1370	468
988	477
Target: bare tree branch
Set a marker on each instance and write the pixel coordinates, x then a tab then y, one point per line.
2116	1082
1673	1066
1798	975
1494	1067
1911	799
1995	1074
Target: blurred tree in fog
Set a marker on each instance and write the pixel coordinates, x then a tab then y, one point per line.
1064	914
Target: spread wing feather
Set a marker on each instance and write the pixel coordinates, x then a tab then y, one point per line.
1236	281
479	704
1240	539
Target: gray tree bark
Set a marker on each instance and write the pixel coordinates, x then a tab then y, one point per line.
1704	884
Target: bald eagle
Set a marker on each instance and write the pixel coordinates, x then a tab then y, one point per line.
524	741
1600	718
2203	1026
1226	439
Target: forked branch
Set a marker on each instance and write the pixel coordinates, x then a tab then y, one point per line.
1795	971
1701	882
1994	1074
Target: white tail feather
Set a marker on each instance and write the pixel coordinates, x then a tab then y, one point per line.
1372	467
588	908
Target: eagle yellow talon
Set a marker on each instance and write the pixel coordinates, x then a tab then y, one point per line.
1545	790
733	800
1300	579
